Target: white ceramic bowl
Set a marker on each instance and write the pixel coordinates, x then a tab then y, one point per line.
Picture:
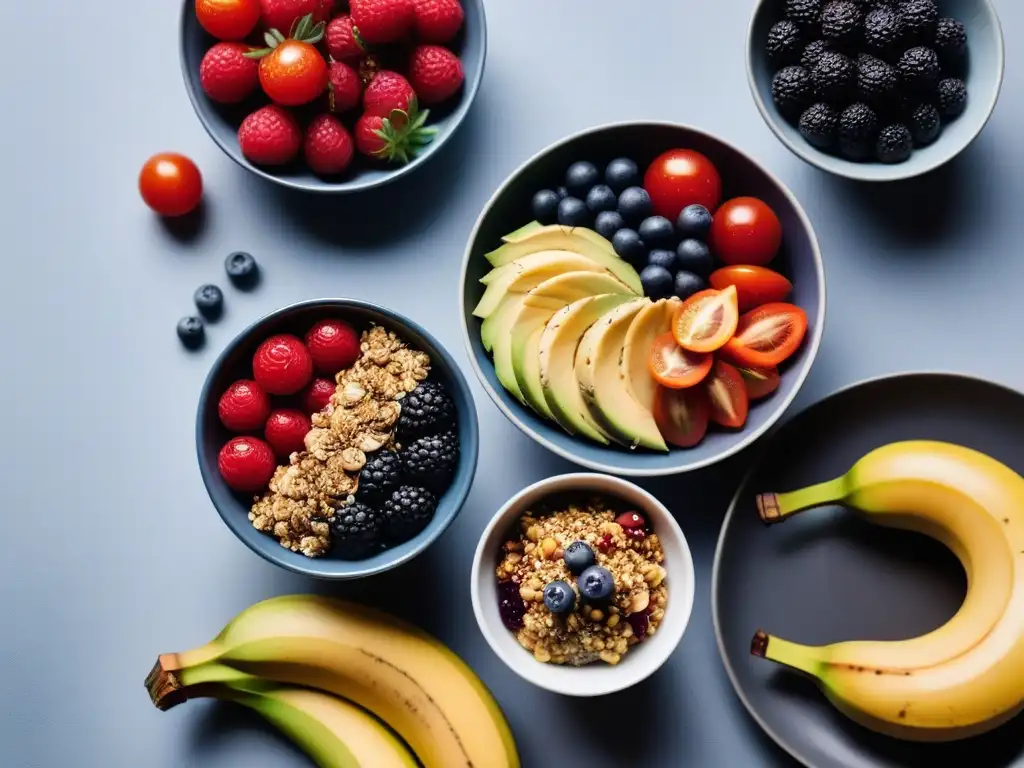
595	679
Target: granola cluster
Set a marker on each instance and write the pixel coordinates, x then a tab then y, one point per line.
360	419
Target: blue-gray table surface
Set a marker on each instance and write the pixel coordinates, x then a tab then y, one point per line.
111	552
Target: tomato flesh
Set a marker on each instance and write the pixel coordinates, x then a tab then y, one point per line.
682	177
728	401
745	231
760	382
681	415
674	367
228	19
754	285
171	184
767	336
706	320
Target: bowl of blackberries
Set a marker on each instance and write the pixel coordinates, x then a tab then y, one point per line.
875	90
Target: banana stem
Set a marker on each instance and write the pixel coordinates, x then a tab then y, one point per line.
169	684
775	507
799	657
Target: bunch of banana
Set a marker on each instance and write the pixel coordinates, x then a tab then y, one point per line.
967	676
304	662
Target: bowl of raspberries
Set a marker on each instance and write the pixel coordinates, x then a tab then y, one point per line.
875	90
336	438
332	96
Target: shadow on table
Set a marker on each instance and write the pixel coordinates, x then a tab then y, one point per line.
223	722
187	229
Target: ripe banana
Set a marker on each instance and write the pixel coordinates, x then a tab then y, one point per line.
407	678
967	676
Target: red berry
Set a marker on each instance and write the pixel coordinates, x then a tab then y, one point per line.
605	543
318	395
282	14
382	21
638	621
270	136
368	142
282	365
286	431
631	520
246	464
636	534
437	21
386	92
226	75
328	147
345	87
334	346
244	407
435	73
342	43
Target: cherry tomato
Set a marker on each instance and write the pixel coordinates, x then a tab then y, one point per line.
706	320
171	184
767	336
760	382
681	415
682	177
754	285
727	396
228	19
294	73
674	367
745	231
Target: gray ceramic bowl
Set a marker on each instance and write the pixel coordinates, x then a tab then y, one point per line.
236	363
984	78
222	122
799	258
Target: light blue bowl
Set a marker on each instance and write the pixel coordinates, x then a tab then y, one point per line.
236	363
799	259
984	79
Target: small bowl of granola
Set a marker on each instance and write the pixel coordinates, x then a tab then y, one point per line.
336	438
583	584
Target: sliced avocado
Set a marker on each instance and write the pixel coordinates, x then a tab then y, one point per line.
650	323
604	386
521	275
522	232
537	308
557	354
535	227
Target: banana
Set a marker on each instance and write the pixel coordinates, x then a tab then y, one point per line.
967	676
404	676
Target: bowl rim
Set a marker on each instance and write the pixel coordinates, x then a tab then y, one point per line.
468	455
580	481
470	90
846	168
813	342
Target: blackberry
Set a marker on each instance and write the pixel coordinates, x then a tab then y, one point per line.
840	22
818	126
950	39
381	474
431	461
883	29
858	129
919	68
792	90
804	12
925	124
919	19
877	81
895	143
355	531
952	93
427	409
784	40
833	76
813	51
408	512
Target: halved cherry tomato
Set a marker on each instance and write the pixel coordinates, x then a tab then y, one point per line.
228	19
727	396
745	231
767	336
682	177
760	382
674	367
754	285
706	320
681	415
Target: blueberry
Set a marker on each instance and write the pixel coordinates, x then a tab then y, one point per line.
578	557
545	206
657	232
562	192
694	221
662	258
635	204
694	256
686	284
242	269
559	597
608	223
628	245
621	173
209	301
657	281
573	213
601	198
596	584
580	177
191	332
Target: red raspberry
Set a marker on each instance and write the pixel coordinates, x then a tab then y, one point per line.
341	39
382	21
318	395
270	136
344	87
244	407
328	147
226	75
282	14
368	141
435	73
437	21
246	464
286	431
282	365
606	544
386	92
334	346
631	520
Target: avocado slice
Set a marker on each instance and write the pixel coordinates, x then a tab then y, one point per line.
604	386
521	275
557	353
537	308
652	322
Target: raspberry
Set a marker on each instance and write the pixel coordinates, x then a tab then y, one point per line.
437	21
282	365
333	345
387	92
244	406
226	75
344	87
318	395
435	73
270	136
342	43
286	431
328	147
246	464
381	21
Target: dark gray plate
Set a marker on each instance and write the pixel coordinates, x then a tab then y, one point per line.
827	576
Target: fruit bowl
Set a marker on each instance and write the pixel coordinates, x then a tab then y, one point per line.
222	121
980	69
502	221
236	363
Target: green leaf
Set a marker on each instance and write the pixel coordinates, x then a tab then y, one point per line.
272	41
359	38
259	53
316	34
